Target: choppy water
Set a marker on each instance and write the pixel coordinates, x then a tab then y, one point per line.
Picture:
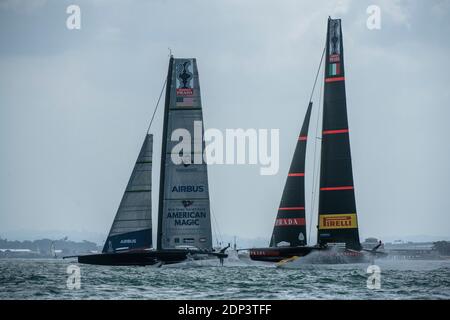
46	279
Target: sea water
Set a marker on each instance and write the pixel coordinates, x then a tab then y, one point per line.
236	279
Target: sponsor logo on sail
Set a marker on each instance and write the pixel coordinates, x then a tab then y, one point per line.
286	222
337	221
271	253
186	218
188	188
185	79
335	38
127	241
335	58
187	203
185	91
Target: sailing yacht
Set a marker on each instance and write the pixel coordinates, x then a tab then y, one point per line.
337	228
184	218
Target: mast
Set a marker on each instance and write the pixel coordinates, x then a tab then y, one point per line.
184	209
337	209
163	154
290	224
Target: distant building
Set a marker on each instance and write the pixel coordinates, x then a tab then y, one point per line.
402	250
370	243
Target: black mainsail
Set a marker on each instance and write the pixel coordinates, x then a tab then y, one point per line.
184	210
290	224
337	209
132	226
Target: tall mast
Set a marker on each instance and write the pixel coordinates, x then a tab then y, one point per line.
163	156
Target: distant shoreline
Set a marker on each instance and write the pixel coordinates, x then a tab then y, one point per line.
45	248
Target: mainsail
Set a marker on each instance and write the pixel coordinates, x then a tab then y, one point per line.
132	226
290	224
337	209
184	209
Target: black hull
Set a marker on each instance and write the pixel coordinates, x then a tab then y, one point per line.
276	254
328	255
118	259
144	258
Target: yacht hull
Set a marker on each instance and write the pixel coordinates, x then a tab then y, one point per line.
325	256
144	258
276	254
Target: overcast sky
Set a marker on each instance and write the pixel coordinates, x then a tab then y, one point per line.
75	105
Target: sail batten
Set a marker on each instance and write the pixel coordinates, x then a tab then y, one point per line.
337	208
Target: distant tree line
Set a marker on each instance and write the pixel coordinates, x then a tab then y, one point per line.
43	246
443	247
